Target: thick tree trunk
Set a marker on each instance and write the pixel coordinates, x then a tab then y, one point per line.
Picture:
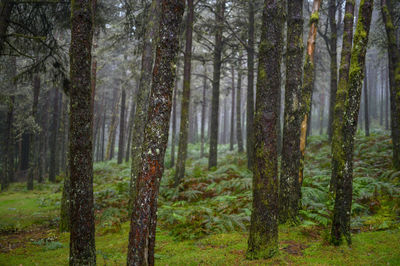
54	133
350	106
307	88
250	88
82	244
263	239
337	150
289	185
183	132
239	136
232	136
394	80
366	105
142	101
144	215
121	128
334	71
219	22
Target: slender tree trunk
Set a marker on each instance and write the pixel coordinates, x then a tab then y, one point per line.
203	111
174	114
121	128
321	112
263	239
103	133
381	101
53	140
232	137
238	113
289	185
64	136
149	44
387	102
144	216
337	165
366	105
8	166
334	71
112	128
394	81
183	132
219	21
250	88
307	88
130	130
6	7
82	244
350	107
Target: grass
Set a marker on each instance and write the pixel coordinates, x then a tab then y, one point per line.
205	221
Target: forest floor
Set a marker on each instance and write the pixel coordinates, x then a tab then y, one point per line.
205	220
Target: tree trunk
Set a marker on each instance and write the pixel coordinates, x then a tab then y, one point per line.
8	165
350	106
289	185
174	113
149	44
238	112
219	22
112	128
337	150
307	88
183	132
82	244
387	102
394	81
144	215
203	111
6	7
130	129
366	105
121	128
232	136
54	133
263	239
250	88
334	71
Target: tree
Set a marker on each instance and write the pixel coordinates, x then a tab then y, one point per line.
144	215
263	239
184	125
232	131
289	185
350	108
121	128
366	105
6	7
219	21
53	140
394	80
238	112
82	244
8	164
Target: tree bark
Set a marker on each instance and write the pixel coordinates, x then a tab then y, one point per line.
8	165
239	136
174	106
289	185
350	106
82	244
232	131
144	216
121	128
203	112
54	133
334	71
263	239
366	105
112	128
130	129
184	126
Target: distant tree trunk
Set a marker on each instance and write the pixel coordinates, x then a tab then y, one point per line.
130	130
226	120
203	111
144	215
239	136
6	7
8	165
112	128
289	185
65	224
381	101
32	168
341	93
387	102
183	132
350	107
142	101
366	106
174	113
103	133
321	112
394	81
333	54
307	88
121	128
263	239
232	137
250	88
53	140
219	22
82	244
64	136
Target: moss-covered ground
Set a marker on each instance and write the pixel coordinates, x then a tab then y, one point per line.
205	220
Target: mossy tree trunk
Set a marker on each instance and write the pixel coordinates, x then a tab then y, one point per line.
263	239
142	99
239	136
184	125
82	244
121	128
289	182
350	109
337	138
333	66
250	87
144	215
217	62
394	78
